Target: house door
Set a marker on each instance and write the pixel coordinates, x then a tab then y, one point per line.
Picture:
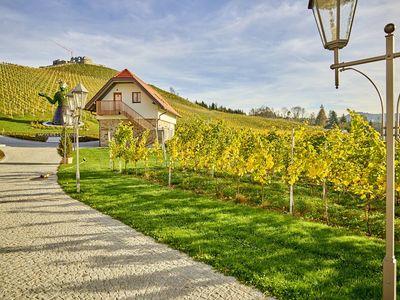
117	96
117	102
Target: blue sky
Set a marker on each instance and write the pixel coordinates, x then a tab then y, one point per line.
239	53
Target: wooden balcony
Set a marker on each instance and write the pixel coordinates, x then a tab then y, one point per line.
108	108
111	108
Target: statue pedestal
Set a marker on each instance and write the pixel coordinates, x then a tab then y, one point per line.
50	124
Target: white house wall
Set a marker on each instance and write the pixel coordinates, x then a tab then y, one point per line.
167	124
146	108
169	118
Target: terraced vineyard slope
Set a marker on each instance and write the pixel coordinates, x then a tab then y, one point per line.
20	85
189	110
20	103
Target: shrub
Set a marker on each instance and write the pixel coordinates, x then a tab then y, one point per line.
65	140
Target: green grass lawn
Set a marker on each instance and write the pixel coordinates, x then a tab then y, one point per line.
279	254
30	126
345	210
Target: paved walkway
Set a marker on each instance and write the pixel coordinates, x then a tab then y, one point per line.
52	246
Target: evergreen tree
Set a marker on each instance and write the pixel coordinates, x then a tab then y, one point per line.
321	118
332	120
343	124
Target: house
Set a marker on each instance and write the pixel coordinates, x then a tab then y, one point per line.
127	98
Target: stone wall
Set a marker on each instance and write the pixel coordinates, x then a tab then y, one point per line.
110	125
105	126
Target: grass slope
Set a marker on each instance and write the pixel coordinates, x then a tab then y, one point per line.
20	85
20	103
279	254
188	110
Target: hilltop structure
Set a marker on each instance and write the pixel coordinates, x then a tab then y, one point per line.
127	98
86	60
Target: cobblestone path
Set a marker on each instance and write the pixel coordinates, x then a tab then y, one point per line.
54	247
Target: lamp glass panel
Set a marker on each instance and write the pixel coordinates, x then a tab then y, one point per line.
317	20
71	103
347	8
328	12
78	99
84	97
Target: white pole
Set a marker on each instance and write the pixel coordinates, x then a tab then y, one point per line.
108	144
291	201
163	147
65	144
78	175
170	172
389	262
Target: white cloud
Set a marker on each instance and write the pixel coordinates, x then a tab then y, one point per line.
238	53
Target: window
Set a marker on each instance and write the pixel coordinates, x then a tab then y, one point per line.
136	97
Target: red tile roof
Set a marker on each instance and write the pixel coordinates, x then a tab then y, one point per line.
125	73
127	76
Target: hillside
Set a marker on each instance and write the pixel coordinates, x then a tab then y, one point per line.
188	110
20	103
20	85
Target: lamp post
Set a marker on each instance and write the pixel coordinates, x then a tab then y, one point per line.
65	138
70	102
75	103
377	91
334	20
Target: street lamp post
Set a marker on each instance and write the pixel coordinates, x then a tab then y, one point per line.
76	102
377	91
65	138
334	20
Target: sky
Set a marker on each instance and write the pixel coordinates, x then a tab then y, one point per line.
238	53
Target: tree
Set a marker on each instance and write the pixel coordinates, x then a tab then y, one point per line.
263	111
320	160
66	142
173	151
343	124
311	119
156	150
235	160
359	166
297	112
261	164
121	143
321	118
143	151
332	120
285	112
297	152
114	152
173	91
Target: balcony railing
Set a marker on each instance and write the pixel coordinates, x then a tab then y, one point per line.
109	108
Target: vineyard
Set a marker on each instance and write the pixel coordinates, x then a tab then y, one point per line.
20	104
337	178
190	110
20	86
22	111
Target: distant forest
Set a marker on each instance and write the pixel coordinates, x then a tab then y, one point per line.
215	106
